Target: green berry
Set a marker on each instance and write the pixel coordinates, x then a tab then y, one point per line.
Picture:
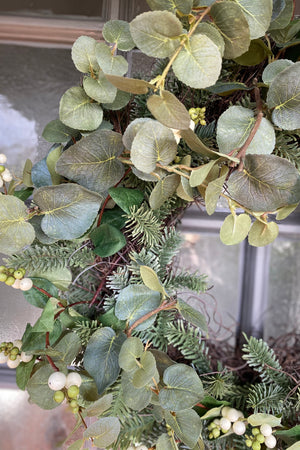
2	268
210	436
22	270
11	270
260	438
58	396
73	403
75	410
18	274
216	433
9	345
14	351
73	391
10	281
2	168
256	445
255	431
13	357
3	276
248	443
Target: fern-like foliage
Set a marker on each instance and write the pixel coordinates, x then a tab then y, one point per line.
157	333
267	398
287	146
143	225
220	385
167	248
262	358
119	279
57	256
85	329
193	282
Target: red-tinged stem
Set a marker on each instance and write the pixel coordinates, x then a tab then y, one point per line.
42	291
52	363
101	285
69	306
47	339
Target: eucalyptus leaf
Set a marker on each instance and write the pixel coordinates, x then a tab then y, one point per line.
102	355
69	346
83	54
213	34
126	198
63	203
110	64
213	192
88	389
146	371
40	174
107	240
23	373
132	85
60	277
202	58
27	173
132	130
151	280
23	194
235	229
92	162
262	234
104	432
77	110
186	425
100	89
278	7
227	88
56	132
120	101
258	14
39	234
77	445
134	398
266	183
38	390
284	97
184	6
255	420
257	52
234	127
163	190
232	24
284	17
285	211
114	217
131	351
100	406
274	68
184	190
166	442
286	34
117	32
134	302
199	175
169	111
15	231
156	33
192	315
51	161
153	143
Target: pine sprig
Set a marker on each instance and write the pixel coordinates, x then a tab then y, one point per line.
287	146
157	334
220	385
193	282
267	398
85	329
143	225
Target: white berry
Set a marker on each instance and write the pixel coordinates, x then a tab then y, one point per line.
6	175
18	343
266	429
3	358
57	381
26	358
16	284
73	378
270	441
225	410
3	158
239	428
26	284
14	364
225	424
232	415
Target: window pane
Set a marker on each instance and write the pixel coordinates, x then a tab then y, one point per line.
44	8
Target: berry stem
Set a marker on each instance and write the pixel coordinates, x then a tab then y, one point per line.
42	291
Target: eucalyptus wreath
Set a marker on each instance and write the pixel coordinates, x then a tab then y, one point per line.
89	231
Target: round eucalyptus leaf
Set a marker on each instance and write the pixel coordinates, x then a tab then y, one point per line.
286	34
213	34
213	191
56	132
184	190
168	110
184	6
163	190
15	231
262	234
39	234
132	130
83	54
229	19
166	442
110	64
77	110
278	7
203	60
64	203
283	19
130	352
235	229
284	97
118	32
192	315
258	14
187	426
101	405
199	175
104	431
257	52
38	389
92	162
134	398
155	33
121	100
160	173
234	127
153	143
100	89
131	85
144	374
274	68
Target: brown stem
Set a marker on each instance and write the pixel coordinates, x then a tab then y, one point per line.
52	363
101	285
42	291
164	306
82	420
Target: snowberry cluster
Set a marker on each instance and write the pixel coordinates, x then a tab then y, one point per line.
10	353
66	387
262	435
231	420
198	115
5	174
15	278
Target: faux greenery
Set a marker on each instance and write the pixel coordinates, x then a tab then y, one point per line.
89	231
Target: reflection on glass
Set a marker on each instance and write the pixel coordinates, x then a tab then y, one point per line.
50	8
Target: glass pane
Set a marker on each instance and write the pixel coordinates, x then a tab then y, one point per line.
283	314
50	8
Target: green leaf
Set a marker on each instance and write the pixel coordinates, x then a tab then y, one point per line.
15	232
227	88
23	194
286	34
213	34
109	319
132	130
56	132
199	175
156	33
110	64
63	203
114	217
274	68
235	229
183	388
233	26
255	420
61	278
77	110
104	432
107	240
283	19
120	101
136	399
38	298
51	161
186	425
169	111
130	352
88	389
284	97
132	85
35	343
69	346
212	413
184	6
213	192
83	54
38	389
288	436
23	372
257	52
45	322
278	7
202	58
126	198
146	372
151	280
266	183
27	174
163	361
163	190
92	162
134	302
39	234
285	211
234	127
118	32
100	89
294	446
166	442
97	408
101	357
262	234
76	445
192	315
153	143
258	14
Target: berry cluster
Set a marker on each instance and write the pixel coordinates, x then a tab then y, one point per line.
10	353
262	435
198	115
66	387
15	278
5	174
231	420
